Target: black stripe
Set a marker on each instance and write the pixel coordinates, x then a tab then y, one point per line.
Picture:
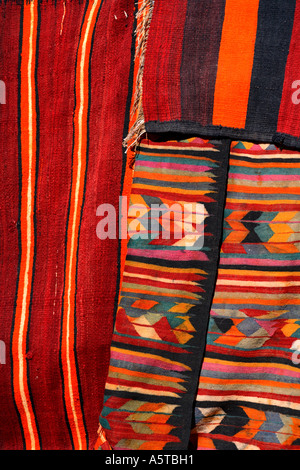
185	152
274	31
167	263
261	160
19	217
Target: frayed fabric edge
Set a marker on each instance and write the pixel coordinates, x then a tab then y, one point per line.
137	129
102	443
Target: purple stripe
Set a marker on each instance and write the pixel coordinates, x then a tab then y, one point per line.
154	362
179	255
200	58
172	166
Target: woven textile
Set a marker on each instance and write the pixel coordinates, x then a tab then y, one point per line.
58	163
248	395
249	389
156	351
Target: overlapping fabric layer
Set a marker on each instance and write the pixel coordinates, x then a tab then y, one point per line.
167	289
248	395
224	68
249	389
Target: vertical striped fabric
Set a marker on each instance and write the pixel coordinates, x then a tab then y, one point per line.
59	162
227	68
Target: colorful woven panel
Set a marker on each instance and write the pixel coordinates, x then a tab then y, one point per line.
165	296
249	389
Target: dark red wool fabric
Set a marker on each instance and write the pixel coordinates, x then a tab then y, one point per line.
58	37
224	69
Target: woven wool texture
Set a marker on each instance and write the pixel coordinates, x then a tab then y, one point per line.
61	157
248	395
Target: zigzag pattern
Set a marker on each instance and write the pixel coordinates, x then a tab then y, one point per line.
275	232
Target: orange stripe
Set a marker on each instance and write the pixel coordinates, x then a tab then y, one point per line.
71	386
28	163
235	63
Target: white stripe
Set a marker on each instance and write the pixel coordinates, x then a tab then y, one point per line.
161	279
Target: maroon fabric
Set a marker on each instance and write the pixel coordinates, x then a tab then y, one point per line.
161	79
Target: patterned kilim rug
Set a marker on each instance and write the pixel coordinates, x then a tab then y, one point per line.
248	396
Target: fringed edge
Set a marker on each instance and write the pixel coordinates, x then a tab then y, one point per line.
137	129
